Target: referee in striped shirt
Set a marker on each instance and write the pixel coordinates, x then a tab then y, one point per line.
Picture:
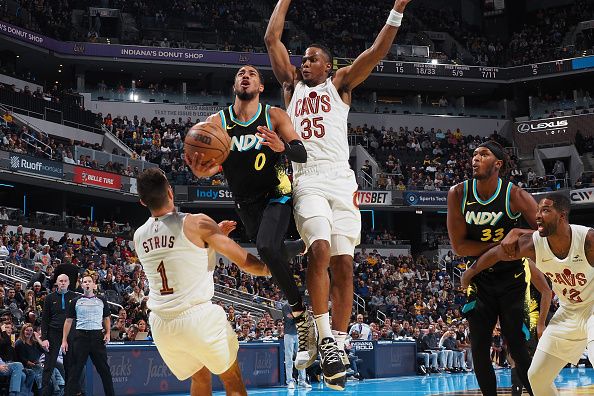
92	334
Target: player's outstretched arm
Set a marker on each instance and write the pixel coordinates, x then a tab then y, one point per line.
496	254
461	245
546	295
351	76
204	228
283	70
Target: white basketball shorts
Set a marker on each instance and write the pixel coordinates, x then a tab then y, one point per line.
196	338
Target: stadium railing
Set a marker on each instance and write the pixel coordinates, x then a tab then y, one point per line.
359	303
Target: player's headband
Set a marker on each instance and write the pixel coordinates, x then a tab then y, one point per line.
495	149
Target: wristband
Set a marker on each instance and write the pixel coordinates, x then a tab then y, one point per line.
395	18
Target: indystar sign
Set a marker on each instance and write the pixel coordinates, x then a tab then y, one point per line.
38	166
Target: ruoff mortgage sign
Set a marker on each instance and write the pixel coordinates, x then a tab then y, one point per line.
529	134
38	166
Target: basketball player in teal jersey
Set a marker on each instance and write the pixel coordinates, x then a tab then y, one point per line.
260	136
481	214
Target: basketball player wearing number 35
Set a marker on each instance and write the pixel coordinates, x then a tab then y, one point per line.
484	212
255	170
565	253
324	187
178	254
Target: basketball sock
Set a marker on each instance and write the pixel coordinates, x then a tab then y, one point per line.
340	337
323	326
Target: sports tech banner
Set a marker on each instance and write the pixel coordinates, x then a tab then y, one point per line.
136	52
426	198
93	177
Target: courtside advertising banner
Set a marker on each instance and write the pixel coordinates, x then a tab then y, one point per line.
426	198
93	177
37	166
582	196
210	194
372	198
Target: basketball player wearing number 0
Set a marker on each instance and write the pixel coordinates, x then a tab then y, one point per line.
324	187
178	254
260	136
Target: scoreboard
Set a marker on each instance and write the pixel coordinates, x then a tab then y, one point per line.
415	69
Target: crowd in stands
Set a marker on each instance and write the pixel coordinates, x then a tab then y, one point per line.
419	159
232	25
403	296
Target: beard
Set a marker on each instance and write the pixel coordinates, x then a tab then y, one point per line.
244	95
549	229
488	173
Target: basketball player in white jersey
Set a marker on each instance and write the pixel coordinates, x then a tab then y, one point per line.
565	254
324	187
178	254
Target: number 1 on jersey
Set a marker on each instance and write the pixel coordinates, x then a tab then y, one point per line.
165	290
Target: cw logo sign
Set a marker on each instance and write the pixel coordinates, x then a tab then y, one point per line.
582	196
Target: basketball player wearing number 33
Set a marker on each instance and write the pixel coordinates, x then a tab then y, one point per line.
178	254
260	136
484	212
565	253
326	213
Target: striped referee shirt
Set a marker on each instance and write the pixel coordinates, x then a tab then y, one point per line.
88	312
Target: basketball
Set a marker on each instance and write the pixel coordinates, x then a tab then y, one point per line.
209	139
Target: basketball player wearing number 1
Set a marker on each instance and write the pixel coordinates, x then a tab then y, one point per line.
324	187
178	254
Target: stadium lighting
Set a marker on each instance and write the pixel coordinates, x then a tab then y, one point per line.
434	61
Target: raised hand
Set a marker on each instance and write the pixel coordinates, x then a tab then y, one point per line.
271	139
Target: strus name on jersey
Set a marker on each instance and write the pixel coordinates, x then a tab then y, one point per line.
312	105
482	218
246	142
158	242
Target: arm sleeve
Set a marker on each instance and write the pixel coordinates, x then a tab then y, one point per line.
295	151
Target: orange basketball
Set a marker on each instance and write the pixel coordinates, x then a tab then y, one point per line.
210	139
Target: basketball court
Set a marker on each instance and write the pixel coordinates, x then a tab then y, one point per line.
574	381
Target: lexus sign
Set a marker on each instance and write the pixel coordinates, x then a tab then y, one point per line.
549	128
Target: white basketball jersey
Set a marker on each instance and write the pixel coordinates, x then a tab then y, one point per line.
573	276
319	116
180	274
